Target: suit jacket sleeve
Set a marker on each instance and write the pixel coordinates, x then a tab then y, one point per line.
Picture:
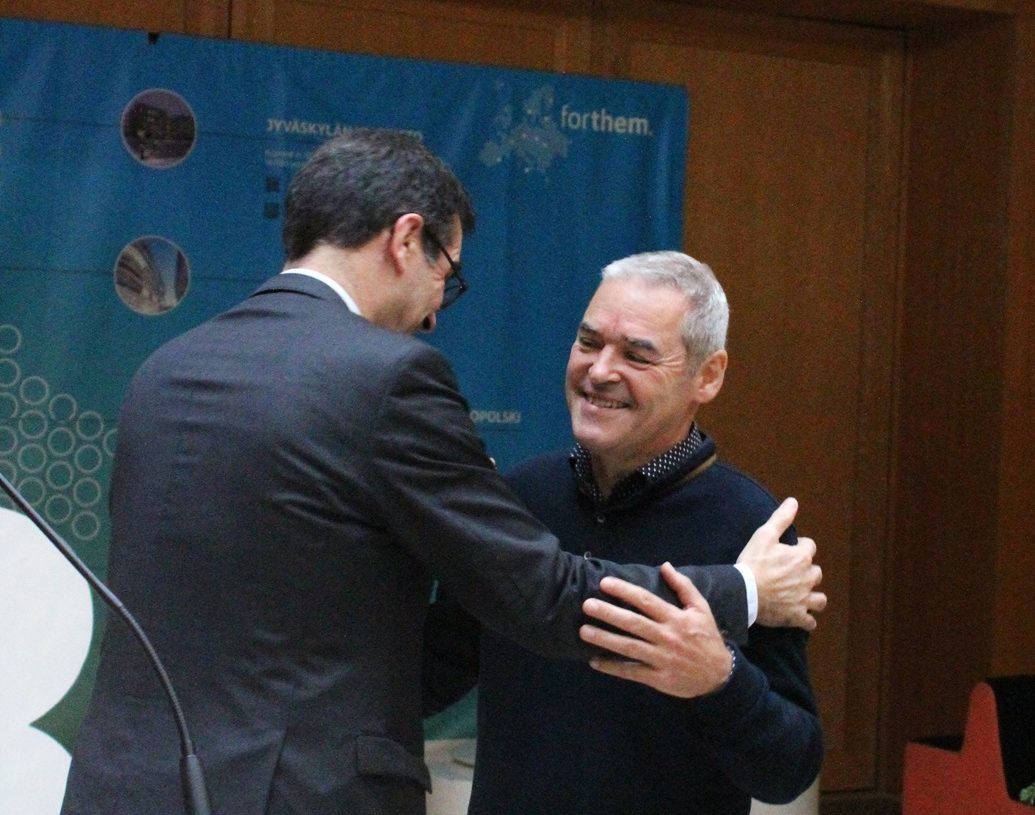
444	502
452	636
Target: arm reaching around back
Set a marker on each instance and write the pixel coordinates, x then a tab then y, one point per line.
678	651
755	706
785	574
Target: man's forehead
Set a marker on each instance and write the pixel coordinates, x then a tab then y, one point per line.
657	312
632	290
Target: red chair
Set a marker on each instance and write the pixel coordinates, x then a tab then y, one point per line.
995	762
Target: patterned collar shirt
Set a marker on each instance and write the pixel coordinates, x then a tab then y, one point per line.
675	464
660	471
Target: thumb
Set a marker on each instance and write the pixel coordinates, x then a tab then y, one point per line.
683	586
783	516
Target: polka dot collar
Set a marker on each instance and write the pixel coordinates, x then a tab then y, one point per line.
656	471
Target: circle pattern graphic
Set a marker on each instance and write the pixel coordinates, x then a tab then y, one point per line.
10	373
50	448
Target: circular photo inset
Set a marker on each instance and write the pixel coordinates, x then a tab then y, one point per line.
152	275
158	128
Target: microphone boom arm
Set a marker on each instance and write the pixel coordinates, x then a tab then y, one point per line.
191	773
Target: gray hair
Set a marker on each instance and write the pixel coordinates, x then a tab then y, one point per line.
707	314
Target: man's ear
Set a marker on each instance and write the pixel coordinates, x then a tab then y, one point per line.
404	240
710	376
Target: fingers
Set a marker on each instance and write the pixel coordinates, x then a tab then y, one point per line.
683	586
628	647
783	516
816	602
692	665
767	536
812	575
637	625
621	668
637	597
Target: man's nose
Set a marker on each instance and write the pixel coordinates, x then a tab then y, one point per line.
603	368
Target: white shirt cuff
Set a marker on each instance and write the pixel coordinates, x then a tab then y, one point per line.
752	591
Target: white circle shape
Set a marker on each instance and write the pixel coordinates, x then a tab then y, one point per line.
58	509
32	458
89	425
33	779
63	408
60	442
34	390
87	492
8	441
109	441
88	459
8	407
32	490
46	622
33	424
10	339
60	475
10	373
85	526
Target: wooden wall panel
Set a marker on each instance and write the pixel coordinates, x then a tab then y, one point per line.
1015	568
209	18
792	197
946	537
545	36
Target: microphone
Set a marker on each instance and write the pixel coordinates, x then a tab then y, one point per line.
192	776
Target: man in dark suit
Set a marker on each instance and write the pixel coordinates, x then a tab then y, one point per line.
289	477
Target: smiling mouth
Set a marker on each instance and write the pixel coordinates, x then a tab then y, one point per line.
600	402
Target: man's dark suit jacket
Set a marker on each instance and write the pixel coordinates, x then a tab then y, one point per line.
288	479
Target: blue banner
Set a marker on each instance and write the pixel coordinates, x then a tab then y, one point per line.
141	184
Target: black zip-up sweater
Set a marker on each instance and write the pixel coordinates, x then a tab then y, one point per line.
557	738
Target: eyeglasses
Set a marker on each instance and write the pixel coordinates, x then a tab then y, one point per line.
455	284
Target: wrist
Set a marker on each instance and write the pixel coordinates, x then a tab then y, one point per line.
729	672
733	665
750	590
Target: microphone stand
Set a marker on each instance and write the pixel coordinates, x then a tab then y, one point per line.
192	775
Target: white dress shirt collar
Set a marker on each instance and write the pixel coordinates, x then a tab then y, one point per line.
334	284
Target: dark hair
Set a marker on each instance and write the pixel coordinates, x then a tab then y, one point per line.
358	183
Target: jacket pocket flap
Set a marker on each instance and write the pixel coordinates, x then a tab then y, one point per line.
376	755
